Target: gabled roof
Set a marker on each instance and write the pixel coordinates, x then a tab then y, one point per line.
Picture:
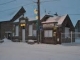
63	21
18	14
11	14
58	19
77	24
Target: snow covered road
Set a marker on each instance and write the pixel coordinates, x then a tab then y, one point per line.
23	51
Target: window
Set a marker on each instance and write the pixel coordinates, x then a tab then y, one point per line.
34	33
30	30
13	33
17	30
67	33
48	33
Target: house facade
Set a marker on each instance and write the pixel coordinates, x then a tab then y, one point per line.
6	27
19	28
58	29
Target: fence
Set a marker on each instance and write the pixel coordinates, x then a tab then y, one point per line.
70	37
77	37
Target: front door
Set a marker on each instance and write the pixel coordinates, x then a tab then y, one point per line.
23	35
9	35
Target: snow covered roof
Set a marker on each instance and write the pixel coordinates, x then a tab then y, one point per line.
8	15
58	19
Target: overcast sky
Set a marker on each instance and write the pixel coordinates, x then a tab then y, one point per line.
9	7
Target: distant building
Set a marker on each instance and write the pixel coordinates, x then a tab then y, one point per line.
77	29
19	28
77	26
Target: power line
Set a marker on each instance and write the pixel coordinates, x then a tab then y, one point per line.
49	1
46	1
15	7
47	12
74	14
7	2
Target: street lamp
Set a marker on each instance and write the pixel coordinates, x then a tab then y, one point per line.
35	11
37	17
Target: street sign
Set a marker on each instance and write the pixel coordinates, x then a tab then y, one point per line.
41	28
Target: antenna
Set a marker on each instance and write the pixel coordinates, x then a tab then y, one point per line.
49	12
45	11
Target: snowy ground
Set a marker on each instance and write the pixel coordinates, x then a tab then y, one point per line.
23	51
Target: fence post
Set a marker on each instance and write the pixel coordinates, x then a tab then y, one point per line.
71	36
61	38
40	37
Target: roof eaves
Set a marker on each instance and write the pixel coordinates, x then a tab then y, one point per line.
46	17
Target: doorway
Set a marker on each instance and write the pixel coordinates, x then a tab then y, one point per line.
23	35
9	36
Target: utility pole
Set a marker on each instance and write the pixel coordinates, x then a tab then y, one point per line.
39	22
38	31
